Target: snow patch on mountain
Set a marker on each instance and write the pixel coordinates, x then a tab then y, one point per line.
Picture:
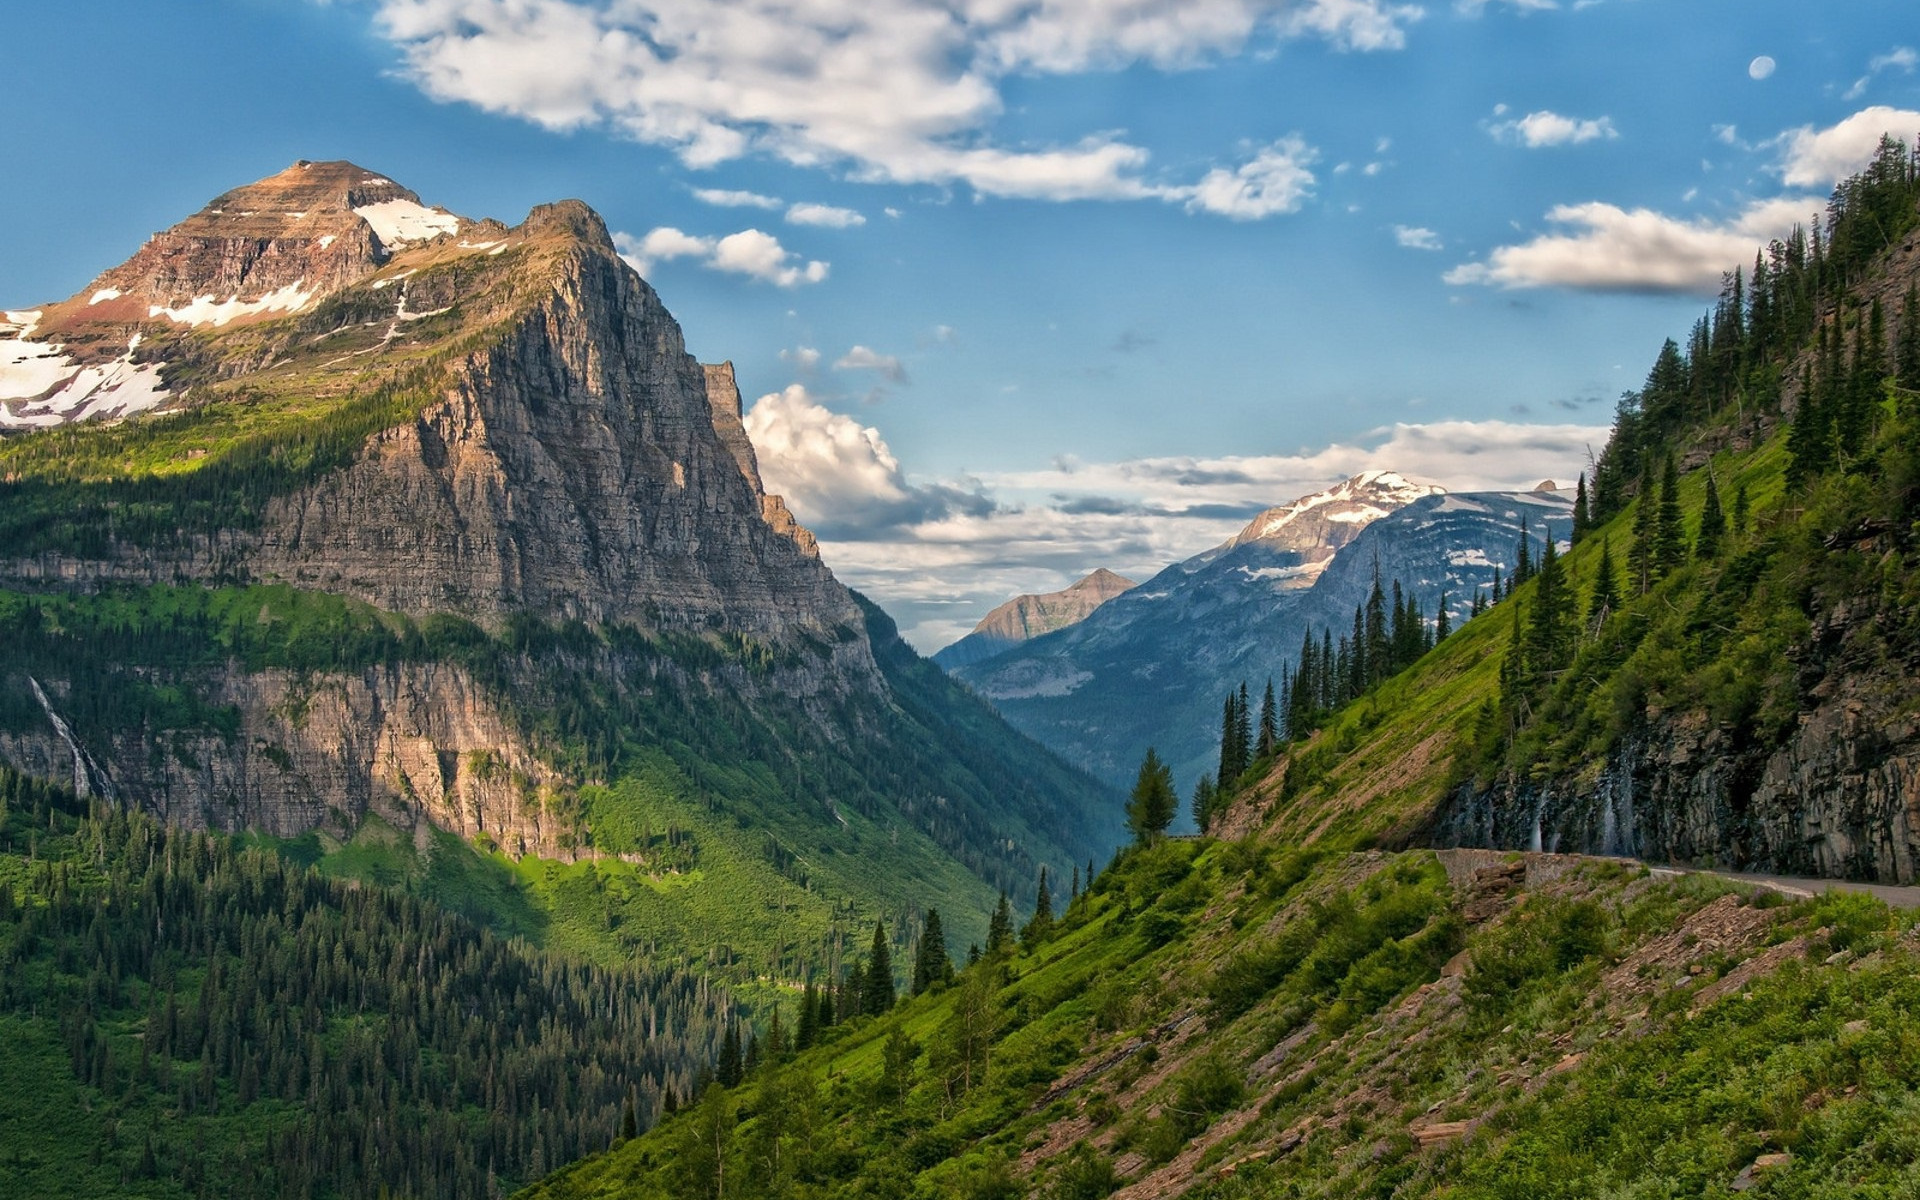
206	310
397	222
40	386
1360	500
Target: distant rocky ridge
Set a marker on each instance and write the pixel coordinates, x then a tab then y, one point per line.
1025	617
1151	667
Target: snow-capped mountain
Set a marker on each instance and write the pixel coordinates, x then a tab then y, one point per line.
1150	667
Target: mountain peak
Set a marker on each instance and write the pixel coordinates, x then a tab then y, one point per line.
1029	616
1348	505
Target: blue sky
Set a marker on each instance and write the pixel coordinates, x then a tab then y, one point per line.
1030	288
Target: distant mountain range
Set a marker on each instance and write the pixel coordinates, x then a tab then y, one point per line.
1151	666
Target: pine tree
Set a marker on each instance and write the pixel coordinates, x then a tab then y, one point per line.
1810	437
1642	556
931	965
1000	929
1670	536
730	1069
1205	798
878	995
1546	631
1230	763
1243	729
1713	524
1042	923
1740	509
1442	623
1605	598
808	1026
1269	736
1376	656
1523	560
1582	517
1151	807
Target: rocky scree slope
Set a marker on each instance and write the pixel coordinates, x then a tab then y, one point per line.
435	519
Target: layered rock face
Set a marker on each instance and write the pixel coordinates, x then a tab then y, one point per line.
1836	800
416	743
1026	617
566	460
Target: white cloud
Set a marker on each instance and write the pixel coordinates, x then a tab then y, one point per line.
1277	179
1822	157
1900	58
750	252
1761	68
904	91
840	475
1416	238
939	555
1611	249
861	358
824	215
1546	128
1474	8
804	358
722	198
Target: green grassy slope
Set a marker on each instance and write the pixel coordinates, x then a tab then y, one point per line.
1234	1020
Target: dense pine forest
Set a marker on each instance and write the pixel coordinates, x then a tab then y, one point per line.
186	1016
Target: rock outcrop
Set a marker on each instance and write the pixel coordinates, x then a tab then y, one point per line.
1839	799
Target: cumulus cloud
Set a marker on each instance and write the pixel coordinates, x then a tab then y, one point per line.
1414	237
824	215
861	358
1277	179
1606	248
1822	157
840	475
750	252
1545	128
939	555
903	91
722	198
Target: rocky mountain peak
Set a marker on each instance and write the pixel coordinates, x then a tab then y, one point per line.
272	246
1330	519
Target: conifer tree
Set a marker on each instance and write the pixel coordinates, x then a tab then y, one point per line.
1670	544
1442	623
807	1028
1642	555
1740	509
1041	925
1151	807
730	1069
931	965
1231	761
1075	893
877	996
1546	632
1713	523
1243	729
1205	798
1582	517
1810	437
1523	559
1000	928
1605	599
1268	739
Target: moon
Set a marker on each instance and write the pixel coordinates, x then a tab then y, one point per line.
1760	67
